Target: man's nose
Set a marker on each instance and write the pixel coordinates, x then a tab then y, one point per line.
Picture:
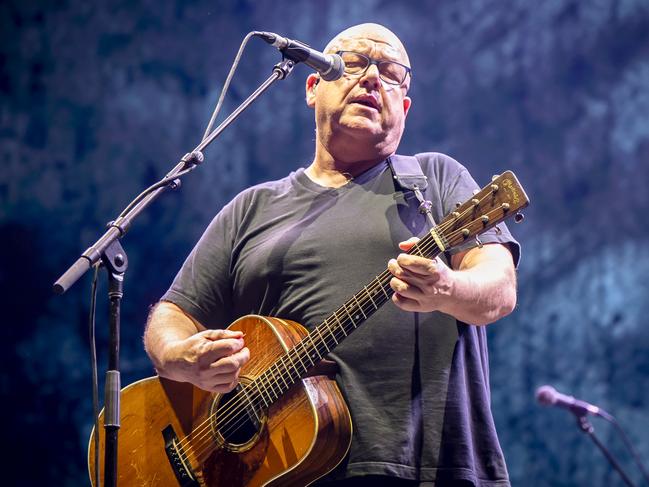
371	78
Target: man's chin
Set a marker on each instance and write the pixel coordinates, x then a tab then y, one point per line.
360	125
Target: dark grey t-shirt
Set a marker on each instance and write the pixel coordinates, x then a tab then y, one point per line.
416	383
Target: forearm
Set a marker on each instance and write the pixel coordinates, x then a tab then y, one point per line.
166	326
185	351
481	294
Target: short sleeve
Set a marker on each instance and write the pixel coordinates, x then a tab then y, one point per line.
202	287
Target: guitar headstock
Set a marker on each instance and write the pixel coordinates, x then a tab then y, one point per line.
503	198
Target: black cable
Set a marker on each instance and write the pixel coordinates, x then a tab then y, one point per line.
629	447
93	367
224	90
166	181
173	180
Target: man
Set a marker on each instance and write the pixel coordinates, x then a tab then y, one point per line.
415	375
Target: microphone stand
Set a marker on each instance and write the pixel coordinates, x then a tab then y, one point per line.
587	427
114	258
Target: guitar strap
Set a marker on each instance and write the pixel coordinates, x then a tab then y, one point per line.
407	173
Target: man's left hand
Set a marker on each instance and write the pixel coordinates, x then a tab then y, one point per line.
419	284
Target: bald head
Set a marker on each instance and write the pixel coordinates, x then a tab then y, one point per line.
377	33
361	116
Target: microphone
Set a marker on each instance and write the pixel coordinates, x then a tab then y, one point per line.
549	396
330	66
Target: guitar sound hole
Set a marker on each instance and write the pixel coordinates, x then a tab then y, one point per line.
237	420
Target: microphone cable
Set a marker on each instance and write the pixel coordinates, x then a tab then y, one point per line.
226	85
93	368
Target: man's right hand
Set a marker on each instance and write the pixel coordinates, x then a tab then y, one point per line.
209	359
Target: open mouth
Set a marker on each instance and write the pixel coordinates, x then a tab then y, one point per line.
368	101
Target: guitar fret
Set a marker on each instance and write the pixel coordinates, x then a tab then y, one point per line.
382	288
290	368
315	354
260	394
360	307
269	388
330	331
300	359
273	381
342	328
282	375
369	295
322	340
288	355
306	353
350	316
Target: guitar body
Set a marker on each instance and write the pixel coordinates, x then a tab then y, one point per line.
299	438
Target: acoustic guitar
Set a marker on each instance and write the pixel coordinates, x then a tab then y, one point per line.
281	425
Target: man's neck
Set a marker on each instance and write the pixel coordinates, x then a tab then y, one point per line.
331	172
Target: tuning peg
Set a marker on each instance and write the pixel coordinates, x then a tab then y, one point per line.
519	217
494	188
494	177
475	192
485	219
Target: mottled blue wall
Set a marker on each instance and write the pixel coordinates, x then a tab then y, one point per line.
98	99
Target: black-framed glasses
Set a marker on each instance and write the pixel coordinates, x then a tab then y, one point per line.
391	72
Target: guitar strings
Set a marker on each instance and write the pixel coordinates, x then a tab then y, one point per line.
235	402
267	381
203	430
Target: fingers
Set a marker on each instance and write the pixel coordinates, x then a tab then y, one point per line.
219	356
223	375
406	304
418	283
231	363
408	289
213	346
418	265
407	244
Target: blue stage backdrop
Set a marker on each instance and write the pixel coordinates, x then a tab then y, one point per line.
99	99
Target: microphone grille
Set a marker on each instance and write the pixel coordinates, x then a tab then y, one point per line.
546	395
337	68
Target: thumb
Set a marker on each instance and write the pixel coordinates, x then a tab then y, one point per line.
407	244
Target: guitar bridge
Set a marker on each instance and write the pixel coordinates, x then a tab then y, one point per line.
178	459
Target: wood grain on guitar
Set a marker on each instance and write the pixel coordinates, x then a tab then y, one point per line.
280	426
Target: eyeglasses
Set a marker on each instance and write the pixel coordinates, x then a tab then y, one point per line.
391	72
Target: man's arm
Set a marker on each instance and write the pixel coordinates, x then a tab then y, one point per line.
480	289
183	350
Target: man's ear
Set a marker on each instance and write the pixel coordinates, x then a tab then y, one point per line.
311	82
